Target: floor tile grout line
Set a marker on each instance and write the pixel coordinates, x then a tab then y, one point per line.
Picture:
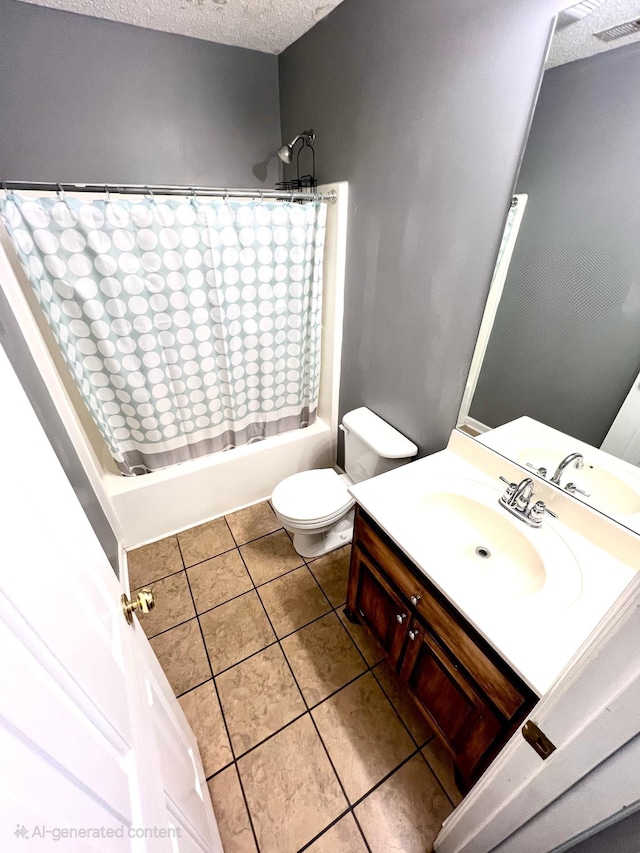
268	645
255	538
277	577
309	708
437	777
319	585
191	689
236	544
177	625
157	580
226	521
361	830
239	595
398	714
327	750
226	550
212	557
341	607
385	778
269	737
322	832
315	618
371	668
226	727
313	722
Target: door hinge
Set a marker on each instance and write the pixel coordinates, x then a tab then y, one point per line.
537	739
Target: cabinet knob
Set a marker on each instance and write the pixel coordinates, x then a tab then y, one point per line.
415	599
401	617
413	634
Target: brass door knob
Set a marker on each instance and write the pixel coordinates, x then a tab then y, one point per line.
143	603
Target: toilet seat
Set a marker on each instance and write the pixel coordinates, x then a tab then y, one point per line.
312	497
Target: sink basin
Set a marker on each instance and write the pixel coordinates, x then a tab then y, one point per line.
607	490
479	544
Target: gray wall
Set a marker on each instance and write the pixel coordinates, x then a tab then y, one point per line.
88	100
82	99
424	108
14	344
565	347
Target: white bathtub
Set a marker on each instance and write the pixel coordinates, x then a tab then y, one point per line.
142	509
170	500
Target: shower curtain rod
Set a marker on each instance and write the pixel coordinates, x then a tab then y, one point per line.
169	189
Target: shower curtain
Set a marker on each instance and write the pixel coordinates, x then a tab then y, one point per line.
189	325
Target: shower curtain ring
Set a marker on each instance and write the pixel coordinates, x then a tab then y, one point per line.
107	193
61	193
149	195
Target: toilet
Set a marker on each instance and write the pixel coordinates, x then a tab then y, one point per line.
316	507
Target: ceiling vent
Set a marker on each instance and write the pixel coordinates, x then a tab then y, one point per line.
619	31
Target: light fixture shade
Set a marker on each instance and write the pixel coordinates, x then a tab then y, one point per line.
286	154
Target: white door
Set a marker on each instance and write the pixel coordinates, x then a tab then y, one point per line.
95	752
623	439
524	804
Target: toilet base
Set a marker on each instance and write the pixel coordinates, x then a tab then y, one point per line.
311	545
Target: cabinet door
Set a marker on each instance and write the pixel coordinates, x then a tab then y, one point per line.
464	721
374	602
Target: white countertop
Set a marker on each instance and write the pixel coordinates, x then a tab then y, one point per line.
536	634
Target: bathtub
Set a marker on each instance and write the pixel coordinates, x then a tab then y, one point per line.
143	509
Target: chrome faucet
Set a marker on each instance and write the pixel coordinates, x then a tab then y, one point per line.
576	458
522	495
517	499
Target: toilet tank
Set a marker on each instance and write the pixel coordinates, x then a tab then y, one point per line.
372	446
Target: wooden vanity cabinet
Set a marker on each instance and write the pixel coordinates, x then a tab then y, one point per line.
469	695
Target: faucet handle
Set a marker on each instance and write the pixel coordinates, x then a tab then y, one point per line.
541	471
510	491
537	513
572	489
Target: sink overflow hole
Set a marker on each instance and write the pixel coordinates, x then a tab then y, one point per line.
483	552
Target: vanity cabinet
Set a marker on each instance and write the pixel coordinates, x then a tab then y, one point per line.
471	698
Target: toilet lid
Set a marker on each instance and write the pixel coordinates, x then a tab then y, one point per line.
311	495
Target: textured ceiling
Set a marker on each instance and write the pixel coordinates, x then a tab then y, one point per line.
266	25
577	40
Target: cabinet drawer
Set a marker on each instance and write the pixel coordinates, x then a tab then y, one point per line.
443	622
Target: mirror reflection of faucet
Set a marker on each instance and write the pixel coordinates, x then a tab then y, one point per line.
517	500
578	463
571	488
541	472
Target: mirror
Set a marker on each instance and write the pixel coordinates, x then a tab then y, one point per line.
557	363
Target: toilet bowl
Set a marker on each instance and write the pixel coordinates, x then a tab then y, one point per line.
316	507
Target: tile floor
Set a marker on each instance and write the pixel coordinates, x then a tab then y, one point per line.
306	739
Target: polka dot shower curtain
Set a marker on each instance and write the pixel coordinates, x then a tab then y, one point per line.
189	325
